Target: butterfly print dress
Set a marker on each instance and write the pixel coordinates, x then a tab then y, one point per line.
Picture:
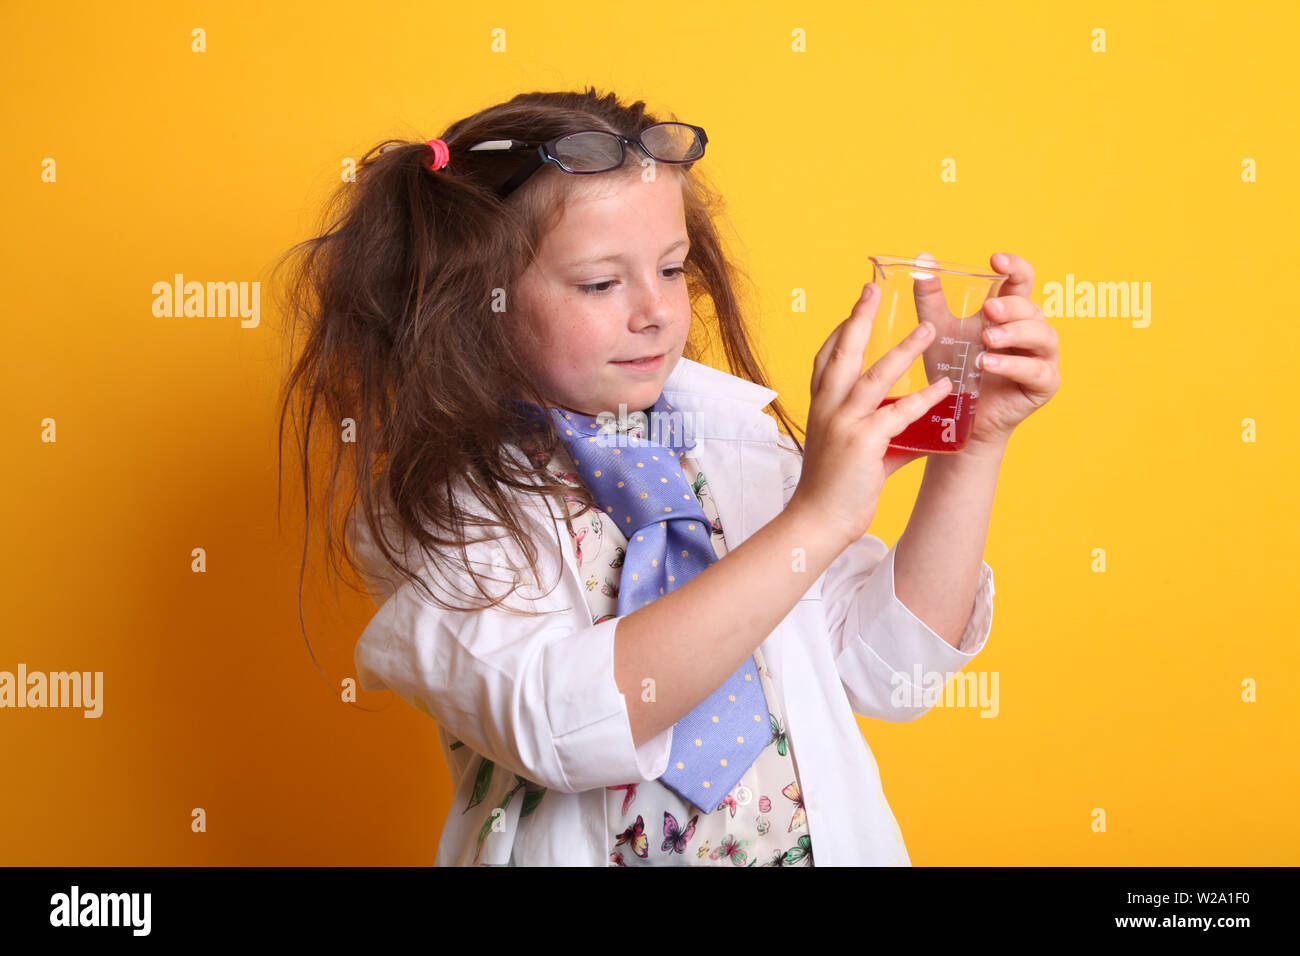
762	821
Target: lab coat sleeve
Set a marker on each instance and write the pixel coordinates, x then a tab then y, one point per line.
533	694
884	654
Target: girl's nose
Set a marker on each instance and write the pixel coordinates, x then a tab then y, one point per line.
655	307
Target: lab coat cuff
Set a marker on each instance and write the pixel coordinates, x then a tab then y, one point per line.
899	645
589	718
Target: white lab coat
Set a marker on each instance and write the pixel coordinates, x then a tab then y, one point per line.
537	695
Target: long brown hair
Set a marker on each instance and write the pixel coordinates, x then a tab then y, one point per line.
406	357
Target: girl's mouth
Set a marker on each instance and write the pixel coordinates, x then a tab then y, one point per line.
648	364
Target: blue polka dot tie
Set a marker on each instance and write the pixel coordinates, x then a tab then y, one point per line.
632	470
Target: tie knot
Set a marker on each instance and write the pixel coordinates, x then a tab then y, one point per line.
660	425
636	424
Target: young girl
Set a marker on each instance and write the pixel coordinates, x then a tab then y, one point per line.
642	617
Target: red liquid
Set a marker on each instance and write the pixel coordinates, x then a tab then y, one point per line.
945	427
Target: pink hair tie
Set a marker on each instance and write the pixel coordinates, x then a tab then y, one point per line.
441	154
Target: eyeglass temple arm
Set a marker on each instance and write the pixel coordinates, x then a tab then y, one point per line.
508	145
529	167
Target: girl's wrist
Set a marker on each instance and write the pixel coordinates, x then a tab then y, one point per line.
811	524
975	452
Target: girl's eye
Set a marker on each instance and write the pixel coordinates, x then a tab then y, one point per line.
598	288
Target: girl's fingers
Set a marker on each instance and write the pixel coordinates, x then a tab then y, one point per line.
846	344
1034	335
824	353
894	417
1035	373
874	384
821	358
1019	270
1008	308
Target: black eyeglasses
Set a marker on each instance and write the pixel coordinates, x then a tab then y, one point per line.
596	151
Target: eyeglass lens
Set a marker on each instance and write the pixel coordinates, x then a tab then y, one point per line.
595	151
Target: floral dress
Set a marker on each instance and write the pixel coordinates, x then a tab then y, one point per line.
761	822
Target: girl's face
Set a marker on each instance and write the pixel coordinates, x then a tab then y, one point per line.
607	287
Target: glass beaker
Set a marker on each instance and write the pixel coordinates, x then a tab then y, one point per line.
950	297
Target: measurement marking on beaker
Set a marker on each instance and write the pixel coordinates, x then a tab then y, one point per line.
961	375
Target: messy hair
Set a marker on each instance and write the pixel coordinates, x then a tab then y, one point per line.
405	353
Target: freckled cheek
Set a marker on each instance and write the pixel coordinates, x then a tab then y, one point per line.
587	342
571	354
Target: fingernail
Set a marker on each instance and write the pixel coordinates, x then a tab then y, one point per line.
921	331
989	361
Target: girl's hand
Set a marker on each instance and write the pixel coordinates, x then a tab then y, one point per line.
844	466
1022	366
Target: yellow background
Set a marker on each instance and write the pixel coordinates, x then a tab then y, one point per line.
1119	691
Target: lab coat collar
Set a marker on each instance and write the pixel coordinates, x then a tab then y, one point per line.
722	405
698	378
